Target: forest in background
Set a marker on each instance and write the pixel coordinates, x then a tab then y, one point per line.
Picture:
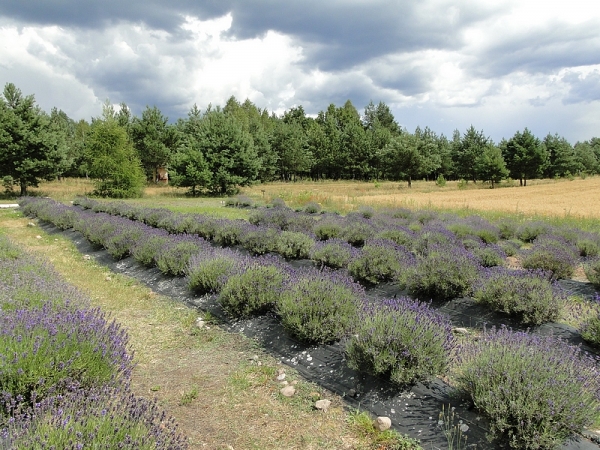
217	150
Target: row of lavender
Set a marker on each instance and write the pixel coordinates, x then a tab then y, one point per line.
435	256
401	339
65	368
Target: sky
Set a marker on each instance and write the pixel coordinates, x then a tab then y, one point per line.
499	65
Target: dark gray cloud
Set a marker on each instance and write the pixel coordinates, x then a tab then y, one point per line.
582	88
541	49
336	34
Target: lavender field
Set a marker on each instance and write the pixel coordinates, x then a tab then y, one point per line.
324	278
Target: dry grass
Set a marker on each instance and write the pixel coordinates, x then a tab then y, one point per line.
206	378
558	198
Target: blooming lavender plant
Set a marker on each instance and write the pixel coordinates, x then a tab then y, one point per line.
173	257
334	253
380	260
43	350
328	228
259	240
319	306
208	271
255	288
401	339
100	418
536	391
294	245
447	271
146	251
526	294
551	253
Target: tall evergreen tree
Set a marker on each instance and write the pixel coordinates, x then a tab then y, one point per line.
562	160
32	149
525	156
466	150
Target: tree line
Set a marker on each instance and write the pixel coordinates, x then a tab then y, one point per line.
217	150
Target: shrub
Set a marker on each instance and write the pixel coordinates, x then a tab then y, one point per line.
278	202
592	271
319	307
254	290
122	242
536	391
401	339
380	260
588	247
294	245
529	295
240	201
173	258
530	231
446	272
511	247
551	253
366	212
432	236
106	417
228	232
327	229
591	331
489	255
44	350
334	253
146	251
440	181
356	232
507	229
398	234
312	208
259	240
208	271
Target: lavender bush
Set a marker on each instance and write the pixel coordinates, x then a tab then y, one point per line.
228	232
328	228
446	272
529	295
551	253
334	253
312	208
536	391
529	231
401	339
294	245
490	255
592	271
259	240
380	260
398	234
173	257
357	231
146	251
209	270
43	350
319	307
102	418
255	289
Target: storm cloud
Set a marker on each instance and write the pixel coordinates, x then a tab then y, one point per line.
500	66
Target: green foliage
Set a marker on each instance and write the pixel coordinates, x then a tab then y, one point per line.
31	149
252	292
190	169
591	330
294	245
390	439
440	181
327	229
527	295
403	340
592	272
525	156
444	273
490	165
536	392
209	275
318	309
114	162
377	263
154	140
